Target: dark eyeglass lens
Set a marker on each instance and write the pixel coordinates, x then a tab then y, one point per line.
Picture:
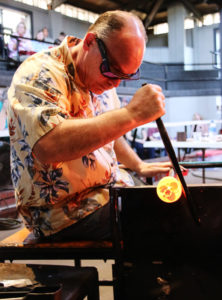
105	69
123	77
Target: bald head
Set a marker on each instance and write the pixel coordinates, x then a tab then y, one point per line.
114	21
125	38
114	47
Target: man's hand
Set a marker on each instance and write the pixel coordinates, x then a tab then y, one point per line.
153	169
147	104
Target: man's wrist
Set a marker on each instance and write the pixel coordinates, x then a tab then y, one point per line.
138	167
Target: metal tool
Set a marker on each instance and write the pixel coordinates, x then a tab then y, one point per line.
173	158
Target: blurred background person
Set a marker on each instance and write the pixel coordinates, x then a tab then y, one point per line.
46	35
40	35
201	127
38	44
18	47
61	37
137	138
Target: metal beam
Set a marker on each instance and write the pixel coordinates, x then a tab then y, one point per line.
218	2
193	9
94	6
153	12
131	5
56	3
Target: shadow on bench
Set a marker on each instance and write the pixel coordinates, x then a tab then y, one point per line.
24	245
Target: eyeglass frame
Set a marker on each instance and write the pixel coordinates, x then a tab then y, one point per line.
105	67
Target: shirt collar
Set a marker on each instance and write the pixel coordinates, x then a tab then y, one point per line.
67	43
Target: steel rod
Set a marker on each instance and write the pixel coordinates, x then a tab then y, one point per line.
200	164
172	156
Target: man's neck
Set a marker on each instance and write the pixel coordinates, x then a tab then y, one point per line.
76	57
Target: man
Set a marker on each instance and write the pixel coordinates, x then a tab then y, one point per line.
62	144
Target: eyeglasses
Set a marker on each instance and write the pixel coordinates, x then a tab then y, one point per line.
105	68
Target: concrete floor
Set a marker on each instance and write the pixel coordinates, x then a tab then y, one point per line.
105	268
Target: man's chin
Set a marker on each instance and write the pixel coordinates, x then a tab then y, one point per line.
100	90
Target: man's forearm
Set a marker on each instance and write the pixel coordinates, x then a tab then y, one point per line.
74	138
77	137
126	155
132	161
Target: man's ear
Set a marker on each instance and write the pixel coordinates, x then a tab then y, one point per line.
88	40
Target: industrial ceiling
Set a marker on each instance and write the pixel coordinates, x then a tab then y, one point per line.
151	12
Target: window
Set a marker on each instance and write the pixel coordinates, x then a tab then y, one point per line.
188	23
10	19
161	28
78	13
216	53
39	3
65	9
209	20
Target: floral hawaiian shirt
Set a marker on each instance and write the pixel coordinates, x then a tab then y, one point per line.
45	91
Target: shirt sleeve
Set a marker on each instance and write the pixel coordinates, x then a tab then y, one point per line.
37	102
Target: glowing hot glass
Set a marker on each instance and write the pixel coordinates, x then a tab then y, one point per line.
169	189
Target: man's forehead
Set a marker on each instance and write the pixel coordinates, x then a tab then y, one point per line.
124	47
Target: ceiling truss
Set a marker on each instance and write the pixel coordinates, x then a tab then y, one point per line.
151	12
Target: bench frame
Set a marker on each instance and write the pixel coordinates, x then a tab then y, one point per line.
22	245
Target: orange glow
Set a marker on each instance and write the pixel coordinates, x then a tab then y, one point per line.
169	189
